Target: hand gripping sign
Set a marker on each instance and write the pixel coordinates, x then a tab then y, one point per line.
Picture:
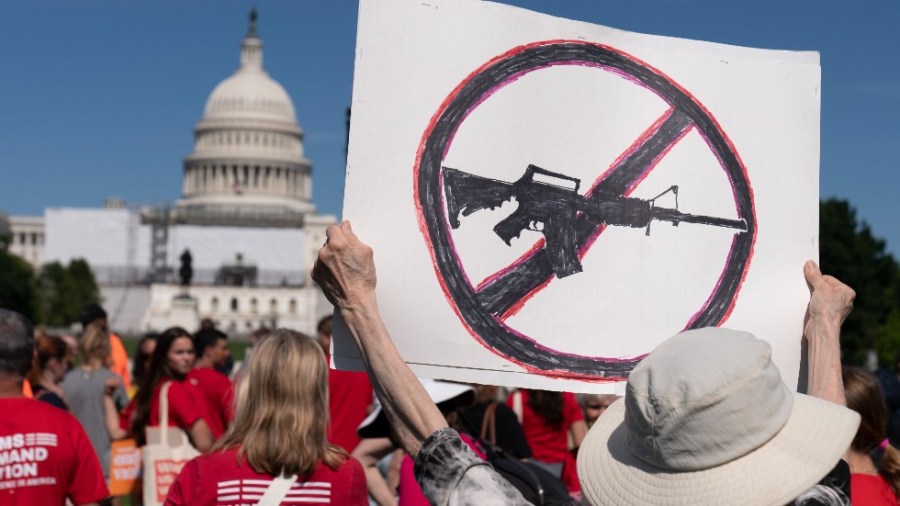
571	219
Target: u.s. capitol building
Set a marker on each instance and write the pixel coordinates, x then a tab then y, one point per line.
246	217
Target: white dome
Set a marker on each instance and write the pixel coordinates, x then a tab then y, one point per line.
247	166
249	94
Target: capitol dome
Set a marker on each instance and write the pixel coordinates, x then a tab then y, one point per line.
250	94
247	167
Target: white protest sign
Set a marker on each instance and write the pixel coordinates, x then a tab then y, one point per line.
548	200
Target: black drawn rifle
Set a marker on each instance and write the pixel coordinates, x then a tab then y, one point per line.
549	202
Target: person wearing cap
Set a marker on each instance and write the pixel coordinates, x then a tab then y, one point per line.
706	418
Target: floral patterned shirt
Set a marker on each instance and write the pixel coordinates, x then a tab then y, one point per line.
450	473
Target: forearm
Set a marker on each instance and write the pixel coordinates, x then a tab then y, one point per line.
378	488
824	359
578	430
111	419
368	452
829	304
201	436
404	400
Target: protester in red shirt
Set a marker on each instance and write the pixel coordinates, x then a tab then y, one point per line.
212	352
550	420
278	430
47	458
349	396
870	485
171	362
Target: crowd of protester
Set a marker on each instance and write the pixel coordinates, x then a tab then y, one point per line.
288	423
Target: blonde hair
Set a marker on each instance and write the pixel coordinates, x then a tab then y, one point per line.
281	413
95	343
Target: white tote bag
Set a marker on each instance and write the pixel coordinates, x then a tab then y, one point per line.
168	449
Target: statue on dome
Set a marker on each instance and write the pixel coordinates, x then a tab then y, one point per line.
251	32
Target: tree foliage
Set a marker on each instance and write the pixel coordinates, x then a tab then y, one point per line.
18	289
850	252
65	290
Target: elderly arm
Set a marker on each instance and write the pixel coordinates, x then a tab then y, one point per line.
830	302
345	271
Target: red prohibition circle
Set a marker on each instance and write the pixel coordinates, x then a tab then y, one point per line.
483	309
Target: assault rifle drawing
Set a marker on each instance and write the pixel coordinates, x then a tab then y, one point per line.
549	203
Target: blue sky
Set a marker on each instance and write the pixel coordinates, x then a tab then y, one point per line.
99	98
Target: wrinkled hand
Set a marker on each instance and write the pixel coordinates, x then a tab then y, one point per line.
830	300
345	269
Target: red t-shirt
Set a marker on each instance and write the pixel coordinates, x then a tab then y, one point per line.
550	444
45	457
217	479
349	397
870	490
217	391
186	405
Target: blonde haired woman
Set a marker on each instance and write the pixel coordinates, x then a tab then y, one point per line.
278	431
88	387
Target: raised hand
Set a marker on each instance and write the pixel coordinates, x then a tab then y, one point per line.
345	269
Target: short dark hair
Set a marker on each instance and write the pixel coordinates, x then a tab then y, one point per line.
16	343
204	338
324	326
91	313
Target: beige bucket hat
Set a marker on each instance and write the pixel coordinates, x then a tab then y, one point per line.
706	419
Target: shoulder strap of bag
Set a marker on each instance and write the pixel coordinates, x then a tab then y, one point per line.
277	490
489	424
164	413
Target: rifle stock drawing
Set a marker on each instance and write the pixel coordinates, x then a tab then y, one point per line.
549	202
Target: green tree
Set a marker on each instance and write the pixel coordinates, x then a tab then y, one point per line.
887	340
850	252
65	290
83	285
18	289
